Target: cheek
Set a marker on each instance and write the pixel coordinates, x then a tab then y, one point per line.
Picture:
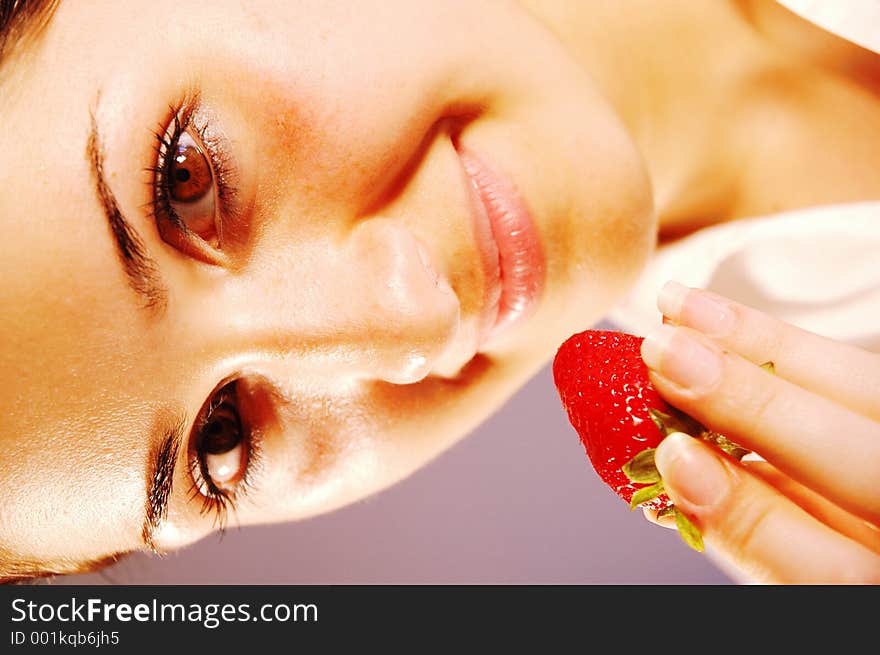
613	242
628	223
337	109
613	219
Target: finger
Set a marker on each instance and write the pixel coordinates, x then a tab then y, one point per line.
825	446
840	372
817	506
754	525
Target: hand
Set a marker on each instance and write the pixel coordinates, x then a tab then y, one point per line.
810	512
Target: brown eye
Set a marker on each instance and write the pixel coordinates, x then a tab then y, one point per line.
220	445
190	187
190	172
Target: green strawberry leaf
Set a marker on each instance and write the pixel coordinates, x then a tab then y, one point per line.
646	494
688	531
659	419
734	450
676	421
641	468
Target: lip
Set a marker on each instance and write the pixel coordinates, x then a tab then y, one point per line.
510	248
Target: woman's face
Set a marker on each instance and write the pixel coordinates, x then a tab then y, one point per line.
261	260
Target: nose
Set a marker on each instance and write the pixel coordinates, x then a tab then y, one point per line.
402	314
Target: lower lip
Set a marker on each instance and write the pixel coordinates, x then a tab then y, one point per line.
515	261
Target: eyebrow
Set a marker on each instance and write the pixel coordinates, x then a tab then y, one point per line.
161	477
141	270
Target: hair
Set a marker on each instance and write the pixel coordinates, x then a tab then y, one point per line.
24	572
22	21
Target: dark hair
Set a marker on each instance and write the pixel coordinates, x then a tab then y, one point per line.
26	572
20	20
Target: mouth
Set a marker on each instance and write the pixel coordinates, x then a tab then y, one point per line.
510	248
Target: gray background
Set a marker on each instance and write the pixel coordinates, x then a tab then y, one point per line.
515	502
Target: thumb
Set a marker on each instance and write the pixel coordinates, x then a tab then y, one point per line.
752	524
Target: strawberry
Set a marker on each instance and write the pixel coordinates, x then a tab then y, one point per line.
621	418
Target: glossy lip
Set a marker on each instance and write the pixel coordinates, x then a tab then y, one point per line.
510	247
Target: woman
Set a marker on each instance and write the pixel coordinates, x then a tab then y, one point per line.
274	259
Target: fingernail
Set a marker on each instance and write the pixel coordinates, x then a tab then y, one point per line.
705	313
680	358
691	471
670	300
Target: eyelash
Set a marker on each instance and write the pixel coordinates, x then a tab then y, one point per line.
167	137
215	500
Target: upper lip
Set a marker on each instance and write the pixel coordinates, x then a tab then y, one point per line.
489	259
508	244
509	254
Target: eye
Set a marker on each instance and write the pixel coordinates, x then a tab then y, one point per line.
220	452
184	193
190	183
220	445
192	190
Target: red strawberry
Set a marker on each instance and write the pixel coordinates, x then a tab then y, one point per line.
621	418
604	387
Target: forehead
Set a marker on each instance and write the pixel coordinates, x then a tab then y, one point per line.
87	369
73	432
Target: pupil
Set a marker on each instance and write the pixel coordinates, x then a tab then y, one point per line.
181	175
220	435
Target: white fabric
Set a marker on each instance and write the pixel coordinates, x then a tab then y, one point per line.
818	268
854	20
